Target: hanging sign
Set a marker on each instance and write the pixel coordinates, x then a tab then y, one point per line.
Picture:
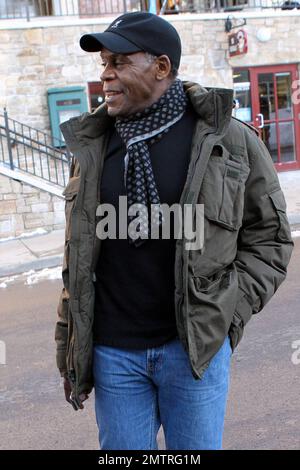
238	44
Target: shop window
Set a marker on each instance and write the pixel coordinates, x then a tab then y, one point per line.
263	98
34	8
242	95
17	8
96	96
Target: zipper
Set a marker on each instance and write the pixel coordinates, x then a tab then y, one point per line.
185	337
73	372
70	360
72	366
75	229
189	197
97	243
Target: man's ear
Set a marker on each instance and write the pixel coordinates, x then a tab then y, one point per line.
163	67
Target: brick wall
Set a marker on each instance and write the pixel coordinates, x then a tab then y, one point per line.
24	208
35	59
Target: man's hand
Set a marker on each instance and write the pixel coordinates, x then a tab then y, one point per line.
68	390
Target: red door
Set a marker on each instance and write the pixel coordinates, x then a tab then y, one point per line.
274	113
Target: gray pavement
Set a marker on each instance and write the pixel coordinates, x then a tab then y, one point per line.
46	250
36	252
263	406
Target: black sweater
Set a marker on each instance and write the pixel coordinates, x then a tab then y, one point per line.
134	290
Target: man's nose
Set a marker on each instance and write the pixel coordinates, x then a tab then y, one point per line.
107	74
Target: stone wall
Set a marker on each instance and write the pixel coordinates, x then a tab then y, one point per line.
42	55
24	208
35	58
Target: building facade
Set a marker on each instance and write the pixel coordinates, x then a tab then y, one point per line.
41	54
45	78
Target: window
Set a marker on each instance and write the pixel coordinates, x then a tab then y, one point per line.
24	8
96	97
242	95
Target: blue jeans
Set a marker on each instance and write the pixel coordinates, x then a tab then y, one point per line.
136	391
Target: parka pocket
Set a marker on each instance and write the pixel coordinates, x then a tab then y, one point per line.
72	187
278	202
208	285
223	188
70	193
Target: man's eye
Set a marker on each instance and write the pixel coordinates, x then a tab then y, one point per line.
113	64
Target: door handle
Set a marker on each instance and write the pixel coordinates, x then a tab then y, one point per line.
260	118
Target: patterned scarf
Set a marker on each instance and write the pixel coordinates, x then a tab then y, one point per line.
139	131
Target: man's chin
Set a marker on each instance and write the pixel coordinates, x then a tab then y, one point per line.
113	111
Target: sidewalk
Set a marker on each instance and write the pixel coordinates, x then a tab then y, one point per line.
46	250
290	185
36	252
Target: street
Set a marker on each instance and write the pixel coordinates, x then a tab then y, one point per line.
263	408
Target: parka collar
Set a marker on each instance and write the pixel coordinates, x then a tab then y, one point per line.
213	106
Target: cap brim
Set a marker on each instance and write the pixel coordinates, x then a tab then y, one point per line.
111	41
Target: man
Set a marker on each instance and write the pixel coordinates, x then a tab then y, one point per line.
151	322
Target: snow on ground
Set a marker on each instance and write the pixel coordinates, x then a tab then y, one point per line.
296	233
38	231
47	273
32	277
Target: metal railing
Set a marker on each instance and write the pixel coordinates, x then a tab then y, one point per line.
30	150
214	6
28	9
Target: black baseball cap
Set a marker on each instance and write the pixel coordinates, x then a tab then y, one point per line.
134	32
